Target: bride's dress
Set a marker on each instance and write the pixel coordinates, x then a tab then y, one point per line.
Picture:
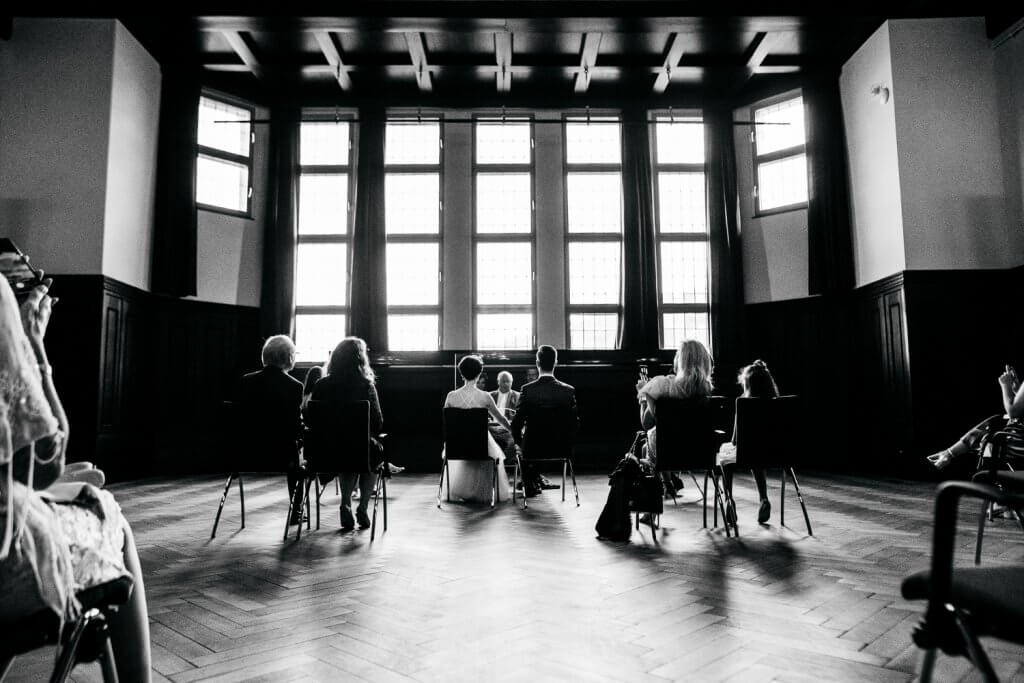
470	480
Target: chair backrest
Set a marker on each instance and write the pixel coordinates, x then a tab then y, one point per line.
550	433
767	431
338	436
686	436
465	433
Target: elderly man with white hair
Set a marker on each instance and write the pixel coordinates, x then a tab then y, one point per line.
270	401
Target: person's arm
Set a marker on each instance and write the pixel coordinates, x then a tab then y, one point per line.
498	416
1012	394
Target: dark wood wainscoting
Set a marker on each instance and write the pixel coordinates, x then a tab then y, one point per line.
142	376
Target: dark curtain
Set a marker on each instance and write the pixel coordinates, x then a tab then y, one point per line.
829	244
638	329
368	308
277	302
174	229
727	319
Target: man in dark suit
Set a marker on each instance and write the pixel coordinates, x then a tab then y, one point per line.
550	407
269	402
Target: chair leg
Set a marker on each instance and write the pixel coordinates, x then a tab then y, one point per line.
799	497
440	482
981	532
575	490
782	499
241	495
220	508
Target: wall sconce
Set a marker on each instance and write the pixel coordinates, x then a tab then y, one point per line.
880	91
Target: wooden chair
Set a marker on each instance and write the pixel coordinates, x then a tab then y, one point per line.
550	436
86	639
465	438
965	603
687	439
338	442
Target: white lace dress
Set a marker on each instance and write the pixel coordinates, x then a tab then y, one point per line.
470	480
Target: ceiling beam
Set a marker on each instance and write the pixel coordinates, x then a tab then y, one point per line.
503	57
333	56
588	59
244	52
419	60
672	57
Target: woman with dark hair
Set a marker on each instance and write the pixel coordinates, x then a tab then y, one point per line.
350	378
757	382
470	480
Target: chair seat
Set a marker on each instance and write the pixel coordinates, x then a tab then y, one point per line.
991	594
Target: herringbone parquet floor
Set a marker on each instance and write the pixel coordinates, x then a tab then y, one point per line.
469	594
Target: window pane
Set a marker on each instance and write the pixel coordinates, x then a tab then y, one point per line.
320	275
218	130
593	330
503	203
684	272
323	204
594	202
316	335
408	142
412	274
222	183
593	143
681	203
504	331
502	143
594	272
785	126
678	327
412	333
323	143
412	203
680	141
782	182
504	273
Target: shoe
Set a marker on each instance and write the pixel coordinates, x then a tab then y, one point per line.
363	519
730	512
764	512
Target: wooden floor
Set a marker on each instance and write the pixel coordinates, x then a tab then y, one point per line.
469	594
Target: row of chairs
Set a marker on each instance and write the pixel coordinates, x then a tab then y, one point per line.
691	431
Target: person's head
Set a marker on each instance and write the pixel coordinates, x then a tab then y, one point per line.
504	381
470	367
349	360
546	358
315	373
279	352
693	368
757	381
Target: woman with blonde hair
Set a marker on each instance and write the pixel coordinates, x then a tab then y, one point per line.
692	379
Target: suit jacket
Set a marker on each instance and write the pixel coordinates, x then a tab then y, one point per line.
268	402
544	395
513	400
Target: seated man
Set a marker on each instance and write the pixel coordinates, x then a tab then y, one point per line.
269	401
507	400
538	399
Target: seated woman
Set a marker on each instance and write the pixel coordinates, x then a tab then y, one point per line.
60	536
757	382
971	444
692	379
470	480
350	378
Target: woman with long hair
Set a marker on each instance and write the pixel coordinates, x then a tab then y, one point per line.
350	378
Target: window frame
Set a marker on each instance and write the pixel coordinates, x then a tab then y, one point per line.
661	238
476	169
590	237
345	238
219	154
420	238
785	153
